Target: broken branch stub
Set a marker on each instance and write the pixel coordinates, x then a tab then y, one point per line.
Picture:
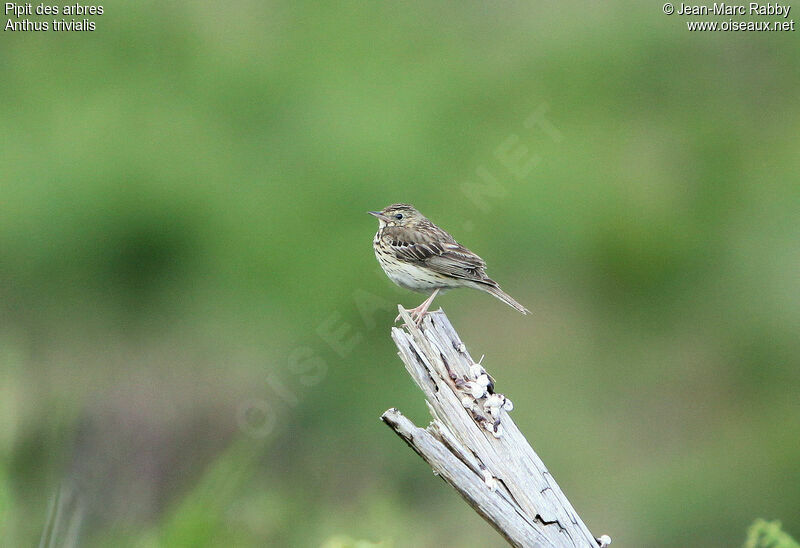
475	446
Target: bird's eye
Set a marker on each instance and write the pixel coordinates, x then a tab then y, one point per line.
398	216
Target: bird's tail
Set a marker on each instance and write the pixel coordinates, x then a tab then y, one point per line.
505	297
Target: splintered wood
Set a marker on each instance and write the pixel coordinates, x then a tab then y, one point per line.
473	444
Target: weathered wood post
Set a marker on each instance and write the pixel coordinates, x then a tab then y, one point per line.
473	444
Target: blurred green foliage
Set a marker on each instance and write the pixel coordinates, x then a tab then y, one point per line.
768	534
183	227
344	542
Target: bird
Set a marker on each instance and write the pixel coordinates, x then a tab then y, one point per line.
418	255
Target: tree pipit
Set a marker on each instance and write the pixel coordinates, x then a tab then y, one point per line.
418	255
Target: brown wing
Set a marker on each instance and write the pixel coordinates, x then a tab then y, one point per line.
436	249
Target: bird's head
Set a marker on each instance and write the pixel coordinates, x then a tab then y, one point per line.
398	215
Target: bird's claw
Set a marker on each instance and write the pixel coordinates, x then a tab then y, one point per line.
419	312
415	317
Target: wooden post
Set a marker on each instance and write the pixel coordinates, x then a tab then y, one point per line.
473	444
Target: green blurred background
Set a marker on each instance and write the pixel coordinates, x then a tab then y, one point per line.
194	344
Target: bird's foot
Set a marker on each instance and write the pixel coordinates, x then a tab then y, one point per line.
419	312
415	313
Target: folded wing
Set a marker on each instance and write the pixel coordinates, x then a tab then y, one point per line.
443	255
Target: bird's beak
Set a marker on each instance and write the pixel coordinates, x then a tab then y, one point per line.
377	214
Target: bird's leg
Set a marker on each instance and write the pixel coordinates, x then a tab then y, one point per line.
422	309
